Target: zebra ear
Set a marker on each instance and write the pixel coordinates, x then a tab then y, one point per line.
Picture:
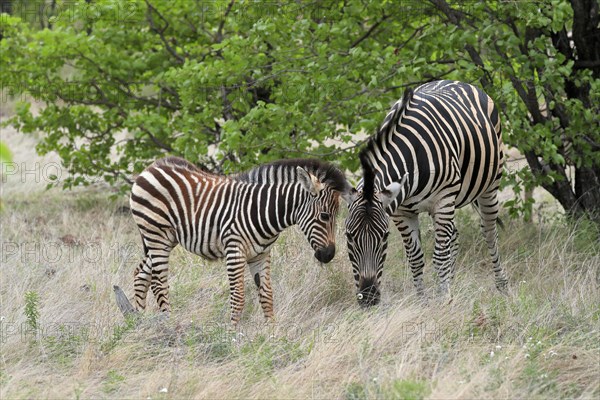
350	195
391	191
309	182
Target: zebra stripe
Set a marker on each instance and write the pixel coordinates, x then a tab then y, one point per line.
438	149
237	218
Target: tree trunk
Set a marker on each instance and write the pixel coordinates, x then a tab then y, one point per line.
581	196
587	191
6	6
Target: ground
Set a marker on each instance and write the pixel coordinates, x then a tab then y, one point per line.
63	336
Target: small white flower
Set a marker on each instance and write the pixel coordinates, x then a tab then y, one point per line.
552	353
527	355
498	347
2	318
163	390
491	353
375	380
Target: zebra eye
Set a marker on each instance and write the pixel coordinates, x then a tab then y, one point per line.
325	216
385	235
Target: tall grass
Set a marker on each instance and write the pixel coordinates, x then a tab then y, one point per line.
541	340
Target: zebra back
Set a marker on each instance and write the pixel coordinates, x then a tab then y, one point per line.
285	171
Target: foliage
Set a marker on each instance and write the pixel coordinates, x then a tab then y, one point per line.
5	154
118	333
355	391
112	382
32	313
228	85
409	389
548	89
65	344
264	355
406	389
5	157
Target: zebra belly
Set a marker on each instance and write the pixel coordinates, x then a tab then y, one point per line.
428	203
205	245
466	196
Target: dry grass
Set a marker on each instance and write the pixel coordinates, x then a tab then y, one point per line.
539	341
70	248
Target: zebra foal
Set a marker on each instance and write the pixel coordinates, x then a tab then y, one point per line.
438	149
237	218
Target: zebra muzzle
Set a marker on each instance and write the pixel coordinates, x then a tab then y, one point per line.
325	254
368	297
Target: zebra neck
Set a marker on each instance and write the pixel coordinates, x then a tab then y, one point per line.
275	207
291	203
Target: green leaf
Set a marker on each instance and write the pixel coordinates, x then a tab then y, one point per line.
5	154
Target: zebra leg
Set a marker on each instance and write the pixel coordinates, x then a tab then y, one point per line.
236	263
444	252
488	210
160	271
408	225
453	252
141	281
160	289
261	273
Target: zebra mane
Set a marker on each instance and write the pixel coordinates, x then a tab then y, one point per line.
285	171
177	162
376	141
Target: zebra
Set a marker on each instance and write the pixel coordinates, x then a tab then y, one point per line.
438	149
237	217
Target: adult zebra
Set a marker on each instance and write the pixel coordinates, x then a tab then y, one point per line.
237	218
438	149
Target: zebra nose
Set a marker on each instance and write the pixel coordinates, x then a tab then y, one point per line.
369	296
325	254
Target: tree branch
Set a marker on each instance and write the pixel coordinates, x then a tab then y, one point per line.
156	141
219	35
455	17
369	32
160	32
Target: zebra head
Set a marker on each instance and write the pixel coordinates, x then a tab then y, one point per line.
316	217
367	230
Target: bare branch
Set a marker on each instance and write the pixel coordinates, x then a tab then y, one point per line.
455	17
160	32
219	35
155	140
369	32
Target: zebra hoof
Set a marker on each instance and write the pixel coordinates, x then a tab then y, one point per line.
502	286
161	318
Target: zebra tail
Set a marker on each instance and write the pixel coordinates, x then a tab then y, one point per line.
123	302
499	221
